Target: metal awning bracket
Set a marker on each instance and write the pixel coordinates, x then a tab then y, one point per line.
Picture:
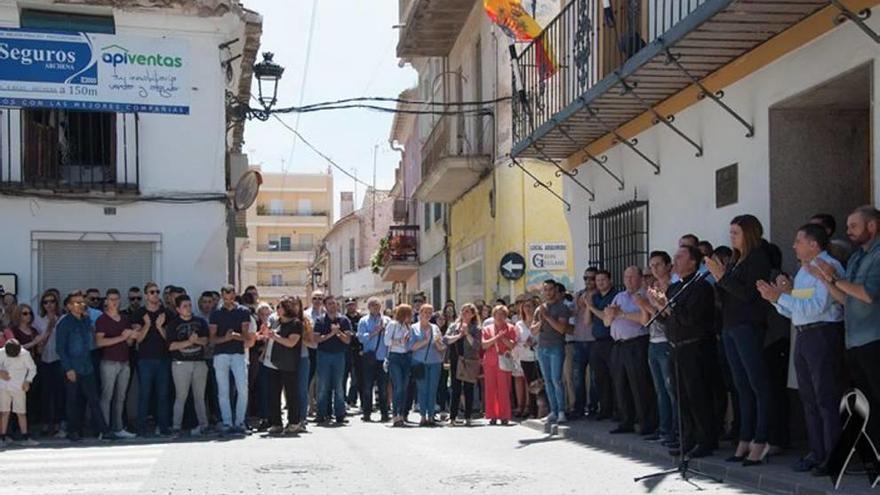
539	183
618	139
629	88
561	171
858	18
704	91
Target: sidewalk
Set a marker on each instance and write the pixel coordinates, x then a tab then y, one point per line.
774	477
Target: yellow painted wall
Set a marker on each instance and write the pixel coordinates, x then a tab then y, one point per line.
523	214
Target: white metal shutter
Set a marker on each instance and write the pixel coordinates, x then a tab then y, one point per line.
469	283
70	265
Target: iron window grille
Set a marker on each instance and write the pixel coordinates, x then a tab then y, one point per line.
619	238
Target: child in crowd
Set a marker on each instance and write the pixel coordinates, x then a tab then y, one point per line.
17	371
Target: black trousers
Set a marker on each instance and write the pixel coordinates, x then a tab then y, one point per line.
776	360
85	386
864	367
458	387
601	366
633	385
289	382
531	372
696	363
818	362
373	374
354	369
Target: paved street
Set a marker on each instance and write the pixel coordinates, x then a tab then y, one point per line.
361	458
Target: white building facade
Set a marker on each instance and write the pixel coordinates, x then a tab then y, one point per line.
119	197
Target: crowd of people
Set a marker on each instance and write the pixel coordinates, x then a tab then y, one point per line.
691	350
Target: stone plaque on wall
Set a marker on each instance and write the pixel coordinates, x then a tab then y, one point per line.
726	186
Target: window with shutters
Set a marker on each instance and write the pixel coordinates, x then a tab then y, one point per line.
427	217
436	292
352	256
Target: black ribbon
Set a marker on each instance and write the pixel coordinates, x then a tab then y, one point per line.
856	411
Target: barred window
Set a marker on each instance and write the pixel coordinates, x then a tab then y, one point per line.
619	238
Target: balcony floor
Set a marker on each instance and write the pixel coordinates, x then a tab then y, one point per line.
450	177
712	36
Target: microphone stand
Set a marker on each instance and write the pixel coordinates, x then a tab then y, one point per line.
683	467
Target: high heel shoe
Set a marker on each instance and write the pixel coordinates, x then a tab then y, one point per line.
735	458
761	460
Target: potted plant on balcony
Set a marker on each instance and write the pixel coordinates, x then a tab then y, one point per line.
377	261
262	210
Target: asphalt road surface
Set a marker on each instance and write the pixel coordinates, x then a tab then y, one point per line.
359	458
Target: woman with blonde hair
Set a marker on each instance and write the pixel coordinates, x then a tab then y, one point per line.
398	335
427	353
498	340
524	352
463	340
282	360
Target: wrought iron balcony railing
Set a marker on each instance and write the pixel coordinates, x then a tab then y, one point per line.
582	45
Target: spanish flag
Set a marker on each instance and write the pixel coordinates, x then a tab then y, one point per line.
516	21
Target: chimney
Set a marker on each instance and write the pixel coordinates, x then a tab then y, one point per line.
346	203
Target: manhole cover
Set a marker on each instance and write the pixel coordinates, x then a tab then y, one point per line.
294	468
483	480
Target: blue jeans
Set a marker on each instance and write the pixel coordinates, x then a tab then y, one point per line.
744	346
154	372
427	386
658	361
223	365
331	380
399	365
303	378
550	359
580	359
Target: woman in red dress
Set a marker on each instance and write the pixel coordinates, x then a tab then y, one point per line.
498	339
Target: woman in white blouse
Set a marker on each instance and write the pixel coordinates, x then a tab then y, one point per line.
397	337
525	353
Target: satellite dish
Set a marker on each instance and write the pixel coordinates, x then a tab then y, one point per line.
246	190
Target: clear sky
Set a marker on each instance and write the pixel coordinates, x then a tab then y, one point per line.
353	54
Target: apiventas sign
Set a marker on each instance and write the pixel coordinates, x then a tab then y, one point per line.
89	71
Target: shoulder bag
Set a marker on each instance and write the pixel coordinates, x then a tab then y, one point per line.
418	369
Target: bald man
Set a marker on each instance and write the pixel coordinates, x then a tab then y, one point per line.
634	392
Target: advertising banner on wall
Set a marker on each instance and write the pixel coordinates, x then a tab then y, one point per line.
96	72
548	255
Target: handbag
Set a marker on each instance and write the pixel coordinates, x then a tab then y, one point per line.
418	369
506	362
468	370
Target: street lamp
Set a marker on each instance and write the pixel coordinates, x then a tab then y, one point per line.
268	74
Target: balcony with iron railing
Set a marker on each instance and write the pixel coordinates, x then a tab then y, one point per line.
285	248
453	158
429	28
400	259
265	216
594	69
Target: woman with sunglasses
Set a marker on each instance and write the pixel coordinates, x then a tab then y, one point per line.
49	366
282	362
21	328
397	338
428	351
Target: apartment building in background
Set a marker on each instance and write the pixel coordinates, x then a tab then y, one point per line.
287	222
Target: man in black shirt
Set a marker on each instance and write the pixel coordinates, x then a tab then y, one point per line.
689	329
187	338
153	365
231	334
334	334
352	359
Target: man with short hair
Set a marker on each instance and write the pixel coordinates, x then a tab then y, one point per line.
580	342
352	357
153	366
839	249
689	240
632	384
333	333
74	340
859	292
659	349
187	339
551	325
308	402
818	347
114	335
689	328
371	333
230	332
135	298
600	352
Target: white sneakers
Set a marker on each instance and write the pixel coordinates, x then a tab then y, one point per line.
124	434
550	418
561	418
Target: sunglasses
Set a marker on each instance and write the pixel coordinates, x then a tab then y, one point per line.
135	298
25	313
49	301
151	292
